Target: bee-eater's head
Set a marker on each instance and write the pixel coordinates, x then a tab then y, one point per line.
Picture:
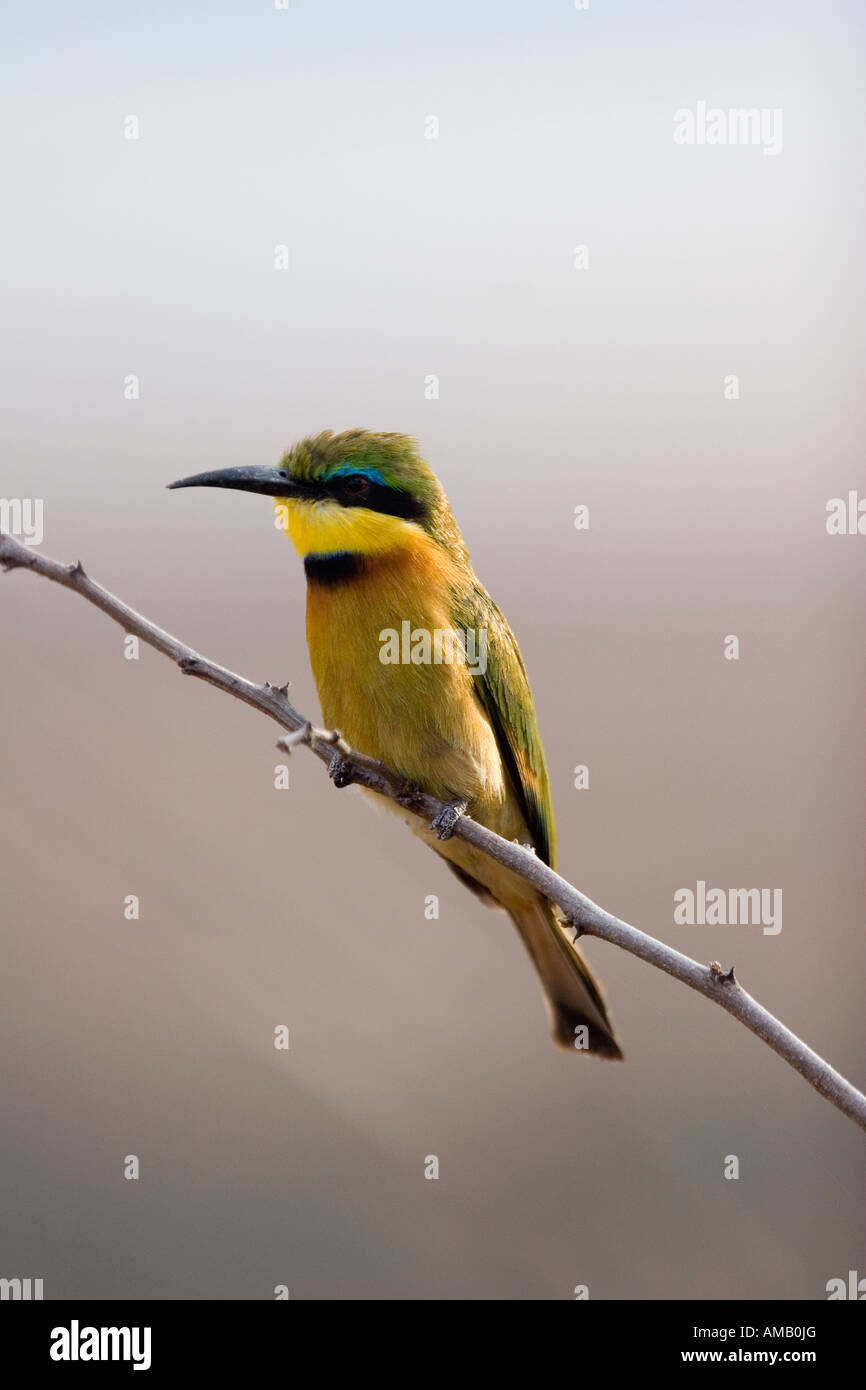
356	493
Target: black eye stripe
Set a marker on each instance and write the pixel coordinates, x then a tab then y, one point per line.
376	497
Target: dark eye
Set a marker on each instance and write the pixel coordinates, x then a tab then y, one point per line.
356	485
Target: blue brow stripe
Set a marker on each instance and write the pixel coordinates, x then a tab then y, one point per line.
346	469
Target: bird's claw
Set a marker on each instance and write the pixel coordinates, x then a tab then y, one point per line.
340	770
445	820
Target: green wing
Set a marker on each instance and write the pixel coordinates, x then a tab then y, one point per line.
503	690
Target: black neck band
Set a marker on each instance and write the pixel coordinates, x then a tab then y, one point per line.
333	569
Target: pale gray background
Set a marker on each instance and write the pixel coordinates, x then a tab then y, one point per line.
303	907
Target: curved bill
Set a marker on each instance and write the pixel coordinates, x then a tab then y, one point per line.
272	482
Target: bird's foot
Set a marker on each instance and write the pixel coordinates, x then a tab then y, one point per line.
340	770
445	820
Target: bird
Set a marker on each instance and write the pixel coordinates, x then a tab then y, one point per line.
384	559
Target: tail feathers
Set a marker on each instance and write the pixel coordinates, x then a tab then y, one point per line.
574	996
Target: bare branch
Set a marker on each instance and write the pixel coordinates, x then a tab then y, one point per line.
584	916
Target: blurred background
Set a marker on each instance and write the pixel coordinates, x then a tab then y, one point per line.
411	257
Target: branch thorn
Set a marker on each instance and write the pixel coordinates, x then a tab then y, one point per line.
302	735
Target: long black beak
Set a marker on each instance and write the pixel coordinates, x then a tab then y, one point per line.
273	482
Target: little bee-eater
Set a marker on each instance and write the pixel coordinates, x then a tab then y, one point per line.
385	561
